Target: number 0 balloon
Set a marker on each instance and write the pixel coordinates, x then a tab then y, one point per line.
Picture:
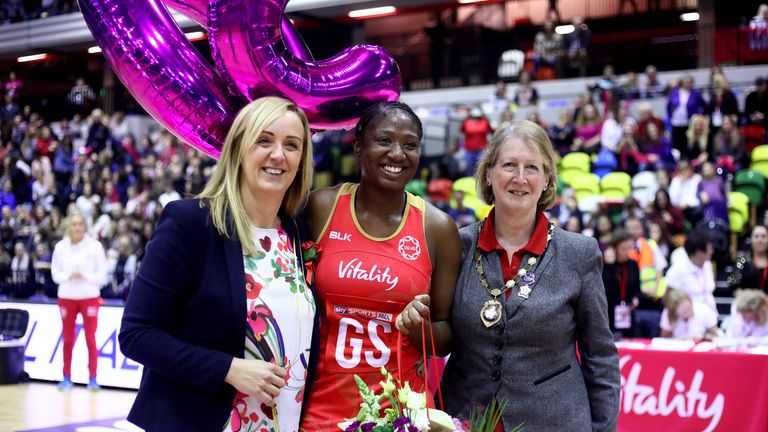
256	51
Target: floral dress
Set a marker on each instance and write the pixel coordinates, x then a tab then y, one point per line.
279	323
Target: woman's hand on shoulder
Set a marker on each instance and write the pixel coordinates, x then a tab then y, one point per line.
411	317
257	378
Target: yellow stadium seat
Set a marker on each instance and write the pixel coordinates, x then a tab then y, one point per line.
575	161
585	185
616	185
760	153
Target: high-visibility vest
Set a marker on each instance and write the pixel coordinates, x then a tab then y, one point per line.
646	261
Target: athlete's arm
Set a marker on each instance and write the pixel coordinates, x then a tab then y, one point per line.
444	247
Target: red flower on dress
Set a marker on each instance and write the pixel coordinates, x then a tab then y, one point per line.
310	251
266	243
252	288
257	319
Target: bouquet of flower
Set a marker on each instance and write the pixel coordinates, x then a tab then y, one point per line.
408	412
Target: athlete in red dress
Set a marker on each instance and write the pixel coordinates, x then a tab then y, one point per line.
387	258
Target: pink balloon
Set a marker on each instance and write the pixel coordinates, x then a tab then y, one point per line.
162	70
257	51
197	11
248	45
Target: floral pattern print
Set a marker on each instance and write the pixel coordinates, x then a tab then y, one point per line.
279	320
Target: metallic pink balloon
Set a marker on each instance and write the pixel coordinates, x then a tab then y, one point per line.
248	45
162	70
197	11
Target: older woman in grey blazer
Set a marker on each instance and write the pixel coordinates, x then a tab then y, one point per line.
529	318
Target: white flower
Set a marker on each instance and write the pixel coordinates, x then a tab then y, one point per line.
438	421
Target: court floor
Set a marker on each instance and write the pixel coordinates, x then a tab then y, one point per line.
39	404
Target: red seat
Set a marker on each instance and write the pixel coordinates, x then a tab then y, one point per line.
754	135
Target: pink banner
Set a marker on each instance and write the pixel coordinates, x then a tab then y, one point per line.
693	391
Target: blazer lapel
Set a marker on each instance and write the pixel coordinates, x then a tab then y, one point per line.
515	300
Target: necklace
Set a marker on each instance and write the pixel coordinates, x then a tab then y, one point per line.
492	309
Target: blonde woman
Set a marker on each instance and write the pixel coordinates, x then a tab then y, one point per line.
684	319
79	267
749	315
219	313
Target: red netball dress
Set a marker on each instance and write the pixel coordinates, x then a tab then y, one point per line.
363	283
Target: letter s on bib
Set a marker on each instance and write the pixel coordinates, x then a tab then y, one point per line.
378	343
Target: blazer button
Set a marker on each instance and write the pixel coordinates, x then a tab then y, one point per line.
497	360
496	376
499	345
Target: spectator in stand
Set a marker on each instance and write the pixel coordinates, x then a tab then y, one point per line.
631	159
561	132
615	126
568	207
588	127
525	94
722	103
692	273
662	240
498	102
608	90
81	98
749	315
726	149
169	194
651	262
577	45
574	225
42	266
751	268
7	198
463	216
22	282
657	147
10	110
603	231
630	88
645	117
121	269
697	140
547	49
475	129
653	86
13	86
683	102
761	18
756	104
621	278
684	318
98	132
668	217
683	191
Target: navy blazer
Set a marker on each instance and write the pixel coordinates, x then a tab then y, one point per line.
185	320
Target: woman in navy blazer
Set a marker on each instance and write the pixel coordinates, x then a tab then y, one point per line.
193	318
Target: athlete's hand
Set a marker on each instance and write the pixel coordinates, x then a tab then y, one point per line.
410	318
257	378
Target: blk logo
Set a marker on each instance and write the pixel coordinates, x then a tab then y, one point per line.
335	235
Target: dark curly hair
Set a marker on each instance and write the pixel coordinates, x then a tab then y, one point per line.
373	112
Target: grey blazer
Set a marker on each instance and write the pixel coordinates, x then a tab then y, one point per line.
529	358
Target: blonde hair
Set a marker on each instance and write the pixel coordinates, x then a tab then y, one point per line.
223	189
752	300
68	221
672	299
535	138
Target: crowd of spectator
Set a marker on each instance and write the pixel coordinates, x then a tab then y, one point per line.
93	166
692	150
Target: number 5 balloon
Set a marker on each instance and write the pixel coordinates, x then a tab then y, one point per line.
257	53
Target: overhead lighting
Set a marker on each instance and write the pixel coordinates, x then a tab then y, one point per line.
377	11
94	50
690	16
471	1
195	36
565	29
32	58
